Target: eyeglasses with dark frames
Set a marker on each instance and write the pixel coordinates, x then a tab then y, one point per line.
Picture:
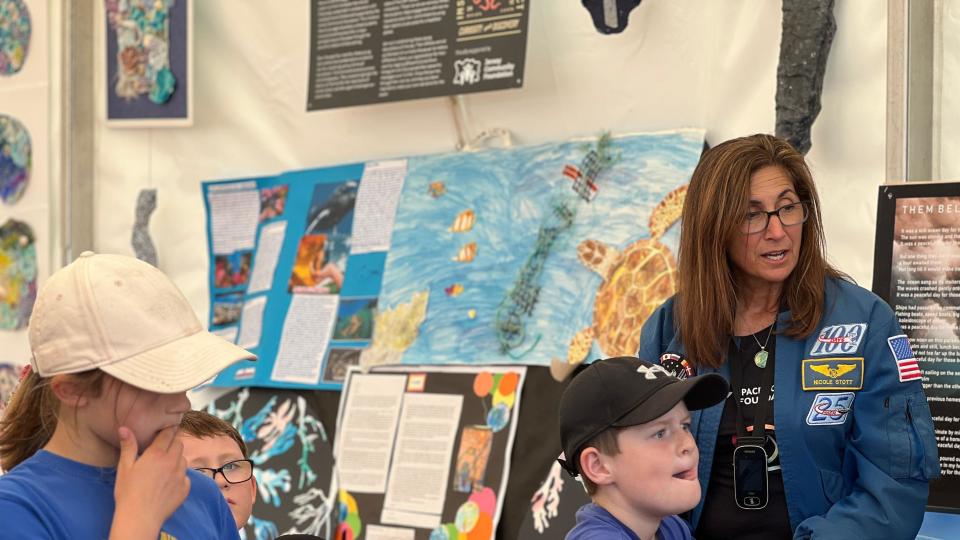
234	472
757	221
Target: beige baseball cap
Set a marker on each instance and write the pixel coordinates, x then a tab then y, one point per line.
124	316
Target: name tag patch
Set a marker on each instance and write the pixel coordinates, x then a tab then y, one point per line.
832	374
839	339
830	409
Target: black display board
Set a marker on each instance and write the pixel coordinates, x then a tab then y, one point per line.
292	454
374	51
535	448
916	270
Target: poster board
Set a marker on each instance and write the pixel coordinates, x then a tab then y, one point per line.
527	255
376	51
296	264
423	452
917	271
555	252
292	457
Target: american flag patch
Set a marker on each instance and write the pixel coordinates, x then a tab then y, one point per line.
907	366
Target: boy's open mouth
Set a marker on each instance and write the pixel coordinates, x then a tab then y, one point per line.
689	474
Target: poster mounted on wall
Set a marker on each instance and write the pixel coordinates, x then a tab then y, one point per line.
296	265
540	255
435	461
916	270
375	51
148	72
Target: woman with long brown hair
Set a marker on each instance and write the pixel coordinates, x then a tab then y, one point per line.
827	431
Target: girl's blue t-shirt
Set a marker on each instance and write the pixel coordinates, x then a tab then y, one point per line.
51	497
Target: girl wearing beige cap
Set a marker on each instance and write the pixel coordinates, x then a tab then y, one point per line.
89	438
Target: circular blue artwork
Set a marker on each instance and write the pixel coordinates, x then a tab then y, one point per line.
15	158
498	417
14	35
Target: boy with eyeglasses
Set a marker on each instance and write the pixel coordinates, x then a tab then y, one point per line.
213	447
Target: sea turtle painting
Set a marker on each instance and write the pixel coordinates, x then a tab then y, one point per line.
636	280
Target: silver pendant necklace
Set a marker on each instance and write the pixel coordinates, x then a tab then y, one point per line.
760	359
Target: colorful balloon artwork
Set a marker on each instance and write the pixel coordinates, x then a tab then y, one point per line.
350	526
502	387
474	520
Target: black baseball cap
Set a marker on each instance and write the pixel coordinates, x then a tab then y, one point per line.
622	392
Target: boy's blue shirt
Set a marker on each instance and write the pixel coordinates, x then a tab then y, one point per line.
51	497
596	523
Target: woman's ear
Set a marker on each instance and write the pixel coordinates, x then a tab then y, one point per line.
68	391
593	465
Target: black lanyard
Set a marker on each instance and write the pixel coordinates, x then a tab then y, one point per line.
736	379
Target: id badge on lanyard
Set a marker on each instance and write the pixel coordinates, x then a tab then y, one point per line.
750	481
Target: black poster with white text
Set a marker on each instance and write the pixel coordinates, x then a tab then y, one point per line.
917	271
375	51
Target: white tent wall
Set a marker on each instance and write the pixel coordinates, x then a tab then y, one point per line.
680	63
946	112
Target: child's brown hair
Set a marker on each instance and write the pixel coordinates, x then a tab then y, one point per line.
202	425
30	417
606	443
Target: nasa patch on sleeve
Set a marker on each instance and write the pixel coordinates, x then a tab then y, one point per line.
841	339
830	409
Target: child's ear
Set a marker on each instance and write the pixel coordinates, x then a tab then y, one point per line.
593	465
68	391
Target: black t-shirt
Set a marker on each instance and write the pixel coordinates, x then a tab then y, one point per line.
722	518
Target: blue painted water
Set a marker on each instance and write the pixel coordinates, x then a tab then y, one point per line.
511	191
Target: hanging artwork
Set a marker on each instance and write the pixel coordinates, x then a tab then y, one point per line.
292	461
25	195
18	274
543	255
15	159
553	506
15	29
148	62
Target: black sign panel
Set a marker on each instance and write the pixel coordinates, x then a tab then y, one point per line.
916	270
374	51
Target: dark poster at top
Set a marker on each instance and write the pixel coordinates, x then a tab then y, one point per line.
916	270
374	51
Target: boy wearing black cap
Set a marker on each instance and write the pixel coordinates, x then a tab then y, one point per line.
625	429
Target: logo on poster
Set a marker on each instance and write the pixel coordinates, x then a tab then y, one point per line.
486	5
466	71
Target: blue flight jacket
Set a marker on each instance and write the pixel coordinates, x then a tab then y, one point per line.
857	448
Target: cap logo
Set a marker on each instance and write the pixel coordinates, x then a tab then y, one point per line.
649	372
